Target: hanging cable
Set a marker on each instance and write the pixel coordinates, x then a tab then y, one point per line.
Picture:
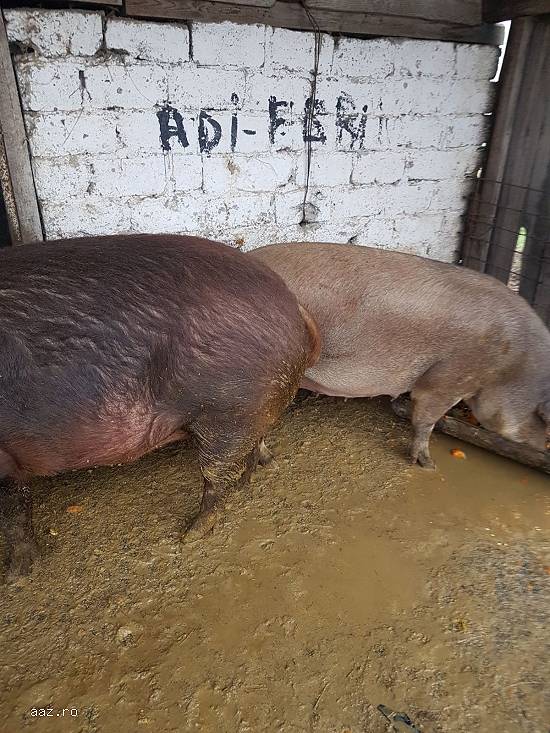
310	110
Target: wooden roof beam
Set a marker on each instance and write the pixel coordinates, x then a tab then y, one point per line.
289	14
495	11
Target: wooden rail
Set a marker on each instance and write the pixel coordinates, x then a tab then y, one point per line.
457	428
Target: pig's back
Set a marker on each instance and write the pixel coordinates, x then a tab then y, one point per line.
108	343
386	317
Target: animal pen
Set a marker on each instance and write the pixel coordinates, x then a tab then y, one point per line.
351	594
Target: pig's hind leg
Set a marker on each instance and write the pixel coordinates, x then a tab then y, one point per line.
228	455
265	456
437	390
20	546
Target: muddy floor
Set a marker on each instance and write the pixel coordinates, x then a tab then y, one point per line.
340	579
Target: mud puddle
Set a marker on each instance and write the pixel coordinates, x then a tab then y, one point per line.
341	579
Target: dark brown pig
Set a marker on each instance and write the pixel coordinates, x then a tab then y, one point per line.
113	346
393	323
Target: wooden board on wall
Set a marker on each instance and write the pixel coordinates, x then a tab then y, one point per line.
495	11
464	12
12	128
293	15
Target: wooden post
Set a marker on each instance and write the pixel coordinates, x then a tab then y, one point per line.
27	227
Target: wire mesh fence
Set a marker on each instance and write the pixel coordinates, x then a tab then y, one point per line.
507	235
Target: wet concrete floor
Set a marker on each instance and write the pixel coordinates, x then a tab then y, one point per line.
340	579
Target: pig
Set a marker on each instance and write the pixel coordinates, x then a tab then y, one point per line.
392	323
111	347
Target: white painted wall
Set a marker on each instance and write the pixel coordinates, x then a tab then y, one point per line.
399	123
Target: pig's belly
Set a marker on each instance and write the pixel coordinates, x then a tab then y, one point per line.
341	378
93	443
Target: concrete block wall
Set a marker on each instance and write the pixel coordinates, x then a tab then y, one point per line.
199	128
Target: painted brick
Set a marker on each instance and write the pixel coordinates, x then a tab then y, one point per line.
52	175
446	246
380	59
339	231
175	215
246	238
72	133
74	84
435	165
138	131
91	215
378	135
288	50
51	85
327	169
246	209
185	171
451	195
229	174
253	133
425	59
411	230
124	84
476	62
164	42
435	131
193	87
376	232
408	198
378	167
288	206
100	165
372	59
289	88
144	176
56	32
429	96
229	44
471	130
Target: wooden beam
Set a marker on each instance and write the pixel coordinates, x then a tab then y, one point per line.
292	15
256	3
14	140
495	11
56	4
458	428
463	12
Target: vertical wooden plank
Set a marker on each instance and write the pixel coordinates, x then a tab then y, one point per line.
16	148
536	284
526	166
483	211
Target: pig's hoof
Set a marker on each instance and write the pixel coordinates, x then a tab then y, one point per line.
199	527
265	456
424	461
